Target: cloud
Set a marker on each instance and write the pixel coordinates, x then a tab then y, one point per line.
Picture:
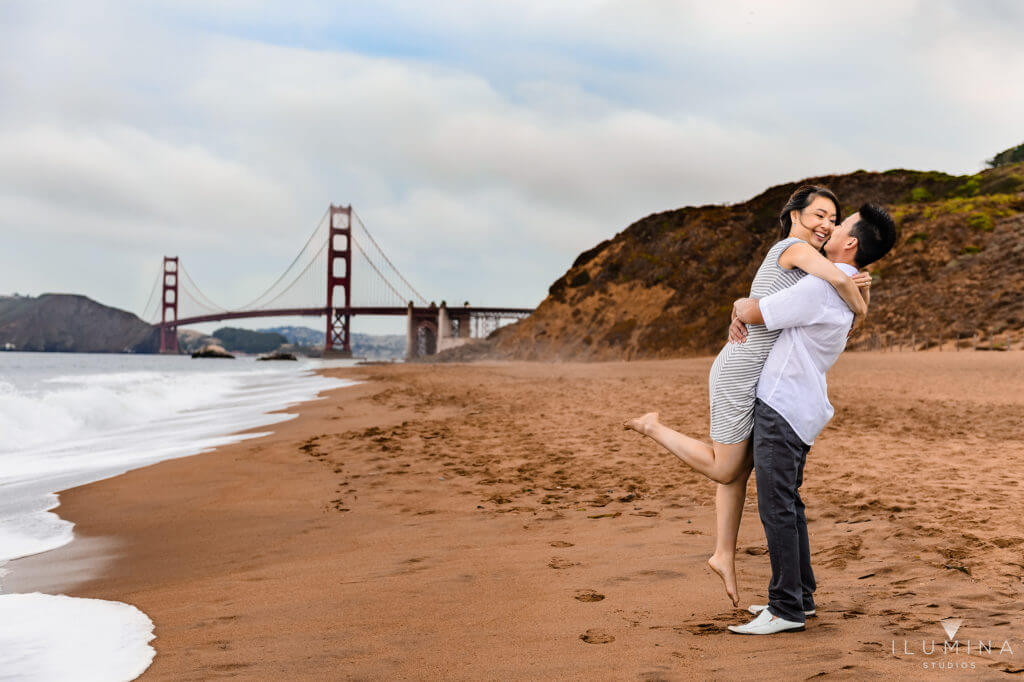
122	184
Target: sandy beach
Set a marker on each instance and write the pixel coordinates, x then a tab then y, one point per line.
494	521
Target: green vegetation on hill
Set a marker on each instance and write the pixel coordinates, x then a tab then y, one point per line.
248	341
1007	156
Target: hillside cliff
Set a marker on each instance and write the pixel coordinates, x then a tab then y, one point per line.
72	324
663	287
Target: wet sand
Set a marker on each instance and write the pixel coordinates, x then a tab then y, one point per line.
493	521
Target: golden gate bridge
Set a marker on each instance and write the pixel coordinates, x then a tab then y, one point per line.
319	282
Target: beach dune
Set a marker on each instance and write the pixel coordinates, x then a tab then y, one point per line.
494	521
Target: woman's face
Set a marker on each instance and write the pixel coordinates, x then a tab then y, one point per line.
815	223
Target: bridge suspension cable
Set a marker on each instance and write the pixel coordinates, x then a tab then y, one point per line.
202	299
193	302
319	260
401	300
148	316
255	303
416	294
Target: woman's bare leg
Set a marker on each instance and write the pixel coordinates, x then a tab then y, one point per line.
721	462
729	501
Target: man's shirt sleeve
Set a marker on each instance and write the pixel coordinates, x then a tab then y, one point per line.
800	305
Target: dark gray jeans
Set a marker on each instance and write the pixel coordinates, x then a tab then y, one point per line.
779	458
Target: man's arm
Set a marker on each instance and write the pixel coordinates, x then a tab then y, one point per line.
748	311
797	306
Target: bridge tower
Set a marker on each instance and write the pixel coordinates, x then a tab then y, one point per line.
336	343
169	298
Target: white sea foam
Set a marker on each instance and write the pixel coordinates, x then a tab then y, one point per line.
70	420
54	637
70	407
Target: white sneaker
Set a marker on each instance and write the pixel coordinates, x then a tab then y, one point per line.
758	608
766	624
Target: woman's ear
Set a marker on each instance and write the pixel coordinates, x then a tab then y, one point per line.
794	217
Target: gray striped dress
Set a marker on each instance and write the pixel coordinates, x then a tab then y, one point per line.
738	366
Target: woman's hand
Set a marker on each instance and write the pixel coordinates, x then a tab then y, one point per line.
737	330
862	279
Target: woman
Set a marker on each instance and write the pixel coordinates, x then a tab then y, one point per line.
807	222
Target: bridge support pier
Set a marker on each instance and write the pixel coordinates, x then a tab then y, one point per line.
445	338
421	331
410	334
464	330
337	342
169	327
444	325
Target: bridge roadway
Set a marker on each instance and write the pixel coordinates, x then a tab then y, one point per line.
364	310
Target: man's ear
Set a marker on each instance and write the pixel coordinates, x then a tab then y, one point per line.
851	243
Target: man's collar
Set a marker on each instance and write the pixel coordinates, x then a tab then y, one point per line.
847	268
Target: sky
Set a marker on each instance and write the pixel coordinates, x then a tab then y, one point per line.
483	144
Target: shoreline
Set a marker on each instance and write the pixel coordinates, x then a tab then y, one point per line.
462	521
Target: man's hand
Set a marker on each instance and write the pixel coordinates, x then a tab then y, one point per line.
737	330
746	310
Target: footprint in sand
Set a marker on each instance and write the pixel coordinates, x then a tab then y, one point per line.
561	543
559	562
597	637
588	595
706	629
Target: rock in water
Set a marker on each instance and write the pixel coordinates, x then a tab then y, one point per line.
212	351
277	355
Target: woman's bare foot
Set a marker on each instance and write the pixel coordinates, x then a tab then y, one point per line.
641	424
726	570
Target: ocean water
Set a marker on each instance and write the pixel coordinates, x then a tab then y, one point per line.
71	419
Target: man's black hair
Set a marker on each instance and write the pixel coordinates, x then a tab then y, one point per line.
875	232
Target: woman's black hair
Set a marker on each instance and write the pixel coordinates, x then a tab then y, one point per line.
800	200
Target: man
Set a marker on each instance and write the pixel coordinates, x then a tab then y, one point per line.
792	408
